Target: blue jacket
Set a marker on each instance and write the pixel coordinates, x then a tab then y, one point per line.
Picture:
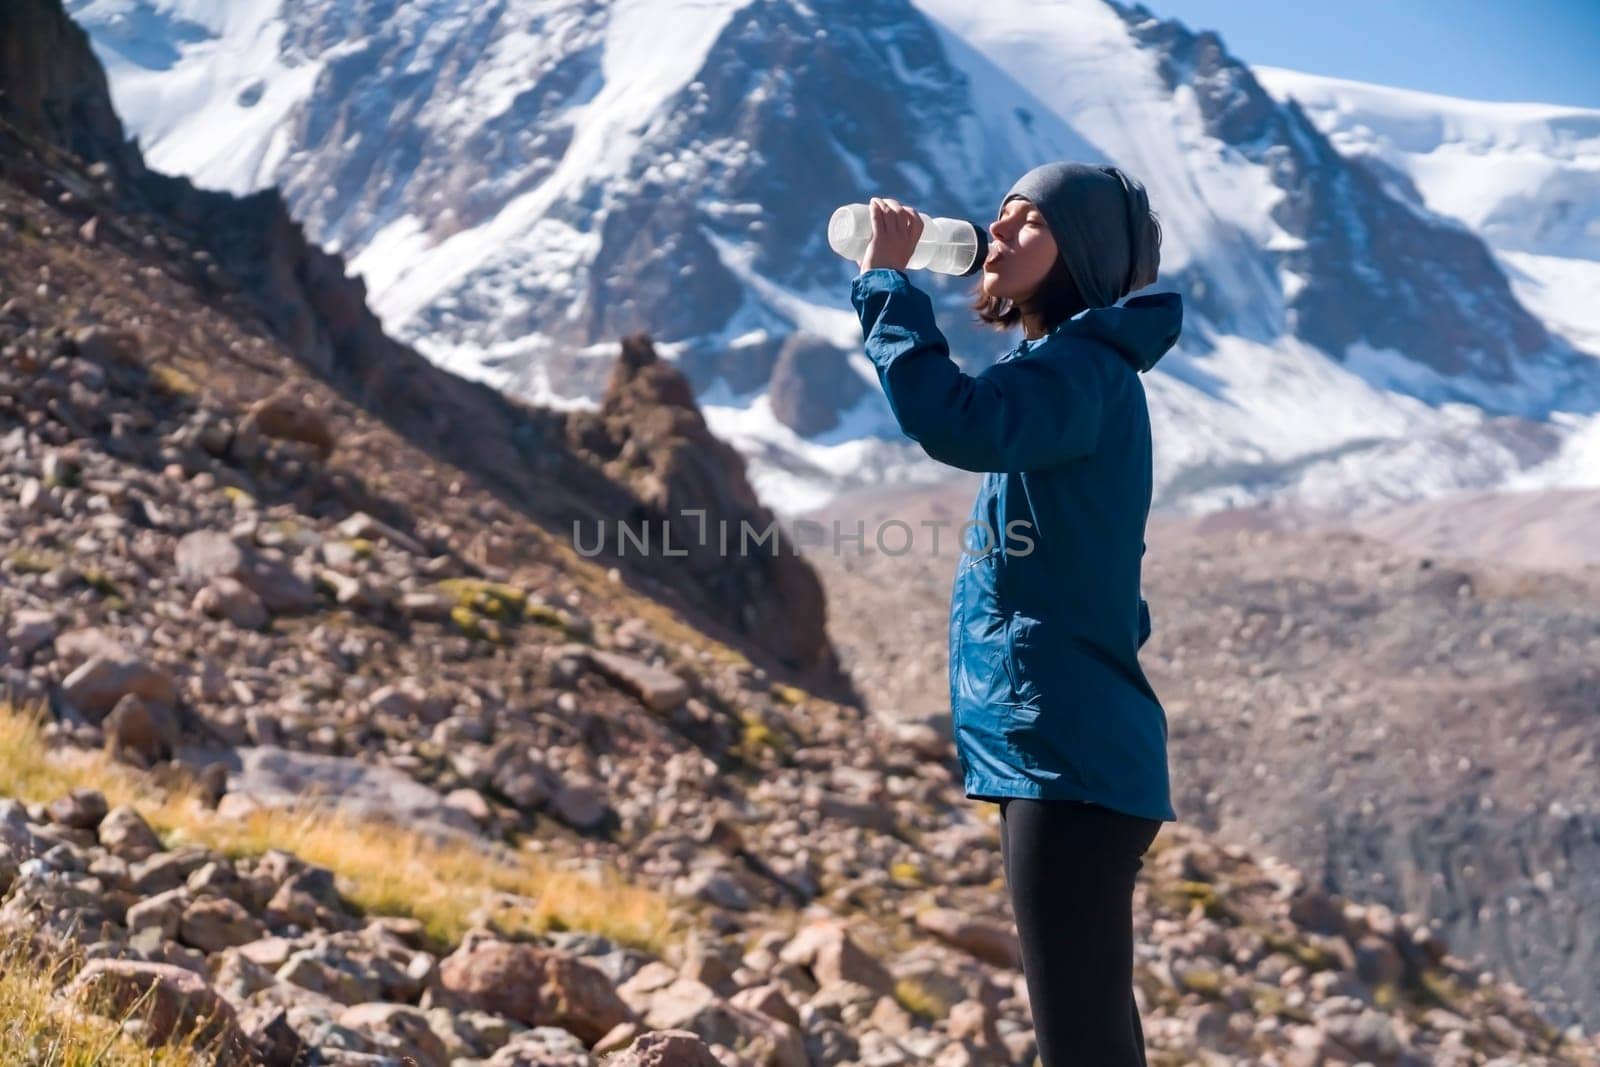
1047	697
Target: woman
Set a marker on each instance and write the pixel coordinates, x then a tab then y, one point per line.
1054	719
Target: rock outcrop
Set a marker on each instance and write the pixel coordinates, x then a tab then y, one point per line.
693	502
812	383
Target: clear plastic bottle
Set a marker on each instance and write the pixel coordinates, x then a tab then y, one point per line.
949	246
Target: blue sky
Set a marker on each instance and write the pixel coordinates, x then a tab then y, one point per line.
1532	50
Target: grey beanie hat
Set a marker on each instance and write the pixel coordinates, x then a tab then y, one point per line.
1100	219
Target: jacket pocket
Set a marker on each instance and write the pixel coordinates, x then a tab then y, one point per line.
1038	724
978	639
1022	668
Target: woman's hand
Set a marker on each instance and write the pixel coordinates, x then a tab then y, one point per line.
895	232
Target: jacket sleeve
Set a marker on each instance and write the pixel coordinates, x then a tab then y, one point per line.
1144	622
1017	415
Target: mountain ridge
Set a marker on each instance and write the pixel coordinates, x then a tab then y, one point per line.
1292	257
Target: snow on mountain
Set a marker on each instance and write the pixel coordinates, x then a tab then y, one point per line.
1524	177
521	184
208	85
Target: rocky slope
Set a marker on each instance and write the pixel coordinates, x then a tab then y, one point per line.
248	255
262	959
1415	729
1540	529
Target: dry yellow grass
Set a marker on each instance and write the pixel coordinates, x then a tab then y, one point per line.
37	1027
173	379
381	868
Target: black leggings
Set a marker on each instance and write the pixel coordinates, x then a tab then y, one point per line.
1070	868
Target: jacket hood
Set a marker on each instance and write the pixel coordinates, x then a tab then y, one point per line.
1141	328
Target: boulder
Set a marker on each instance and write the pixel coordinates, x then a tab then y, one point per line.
656	687
125	834
140	731
212	924
269	776
666	1048
288	417
401	1030
203	556
96	686
825	948
536	986
174	1002
81	809
225	597
988	941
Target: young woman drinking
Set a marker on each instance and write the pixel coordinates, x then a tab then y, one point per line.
1053	717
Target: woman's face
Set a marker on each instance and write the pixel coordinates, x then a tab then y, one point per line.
1021	251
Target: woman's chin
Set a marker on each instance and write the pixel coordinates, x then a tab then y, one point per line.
994	288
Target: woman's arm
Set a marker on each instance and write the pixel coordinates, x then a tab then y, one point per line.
1018	415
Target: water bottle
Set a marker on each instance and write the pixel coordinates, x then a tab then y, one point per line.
949	246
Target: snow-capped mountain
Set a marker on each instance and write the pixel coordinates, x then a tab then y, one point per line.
521	183
1523	177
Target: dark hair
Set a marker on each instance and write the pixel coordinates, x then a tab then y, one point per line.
1056	300
1058	297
